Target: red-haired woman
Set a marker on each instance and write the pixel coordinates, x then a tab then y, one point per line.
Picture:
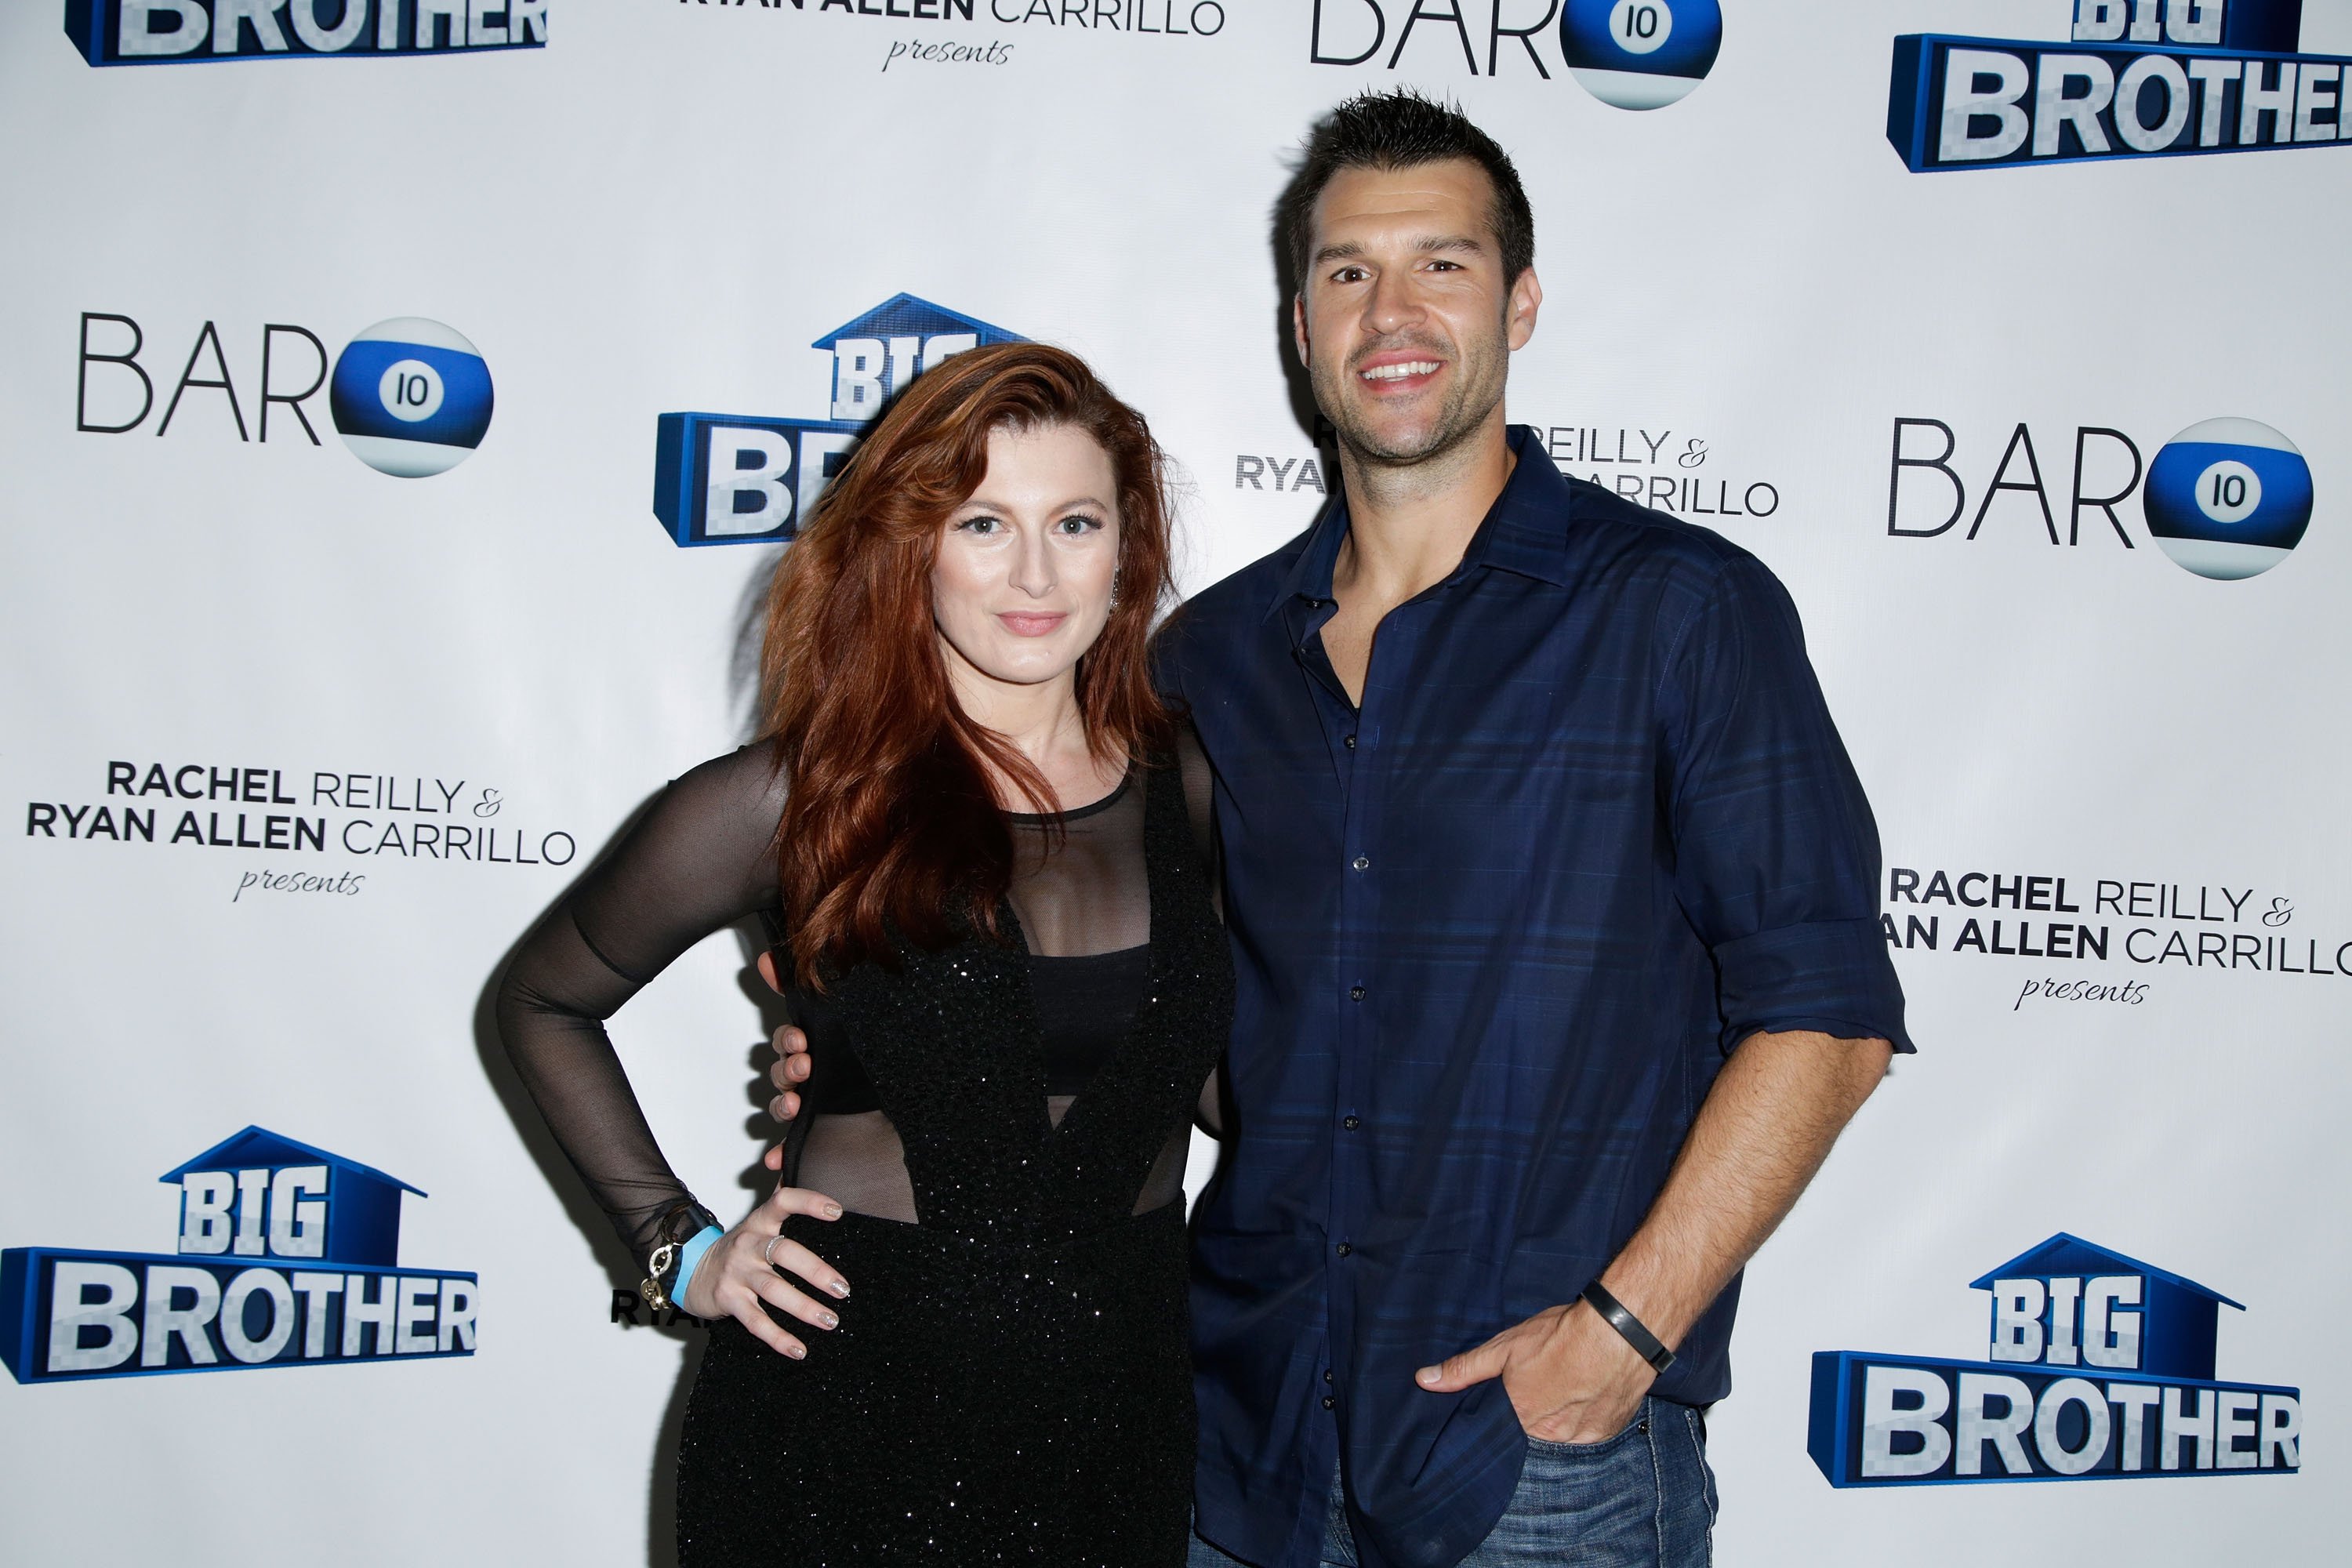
967	826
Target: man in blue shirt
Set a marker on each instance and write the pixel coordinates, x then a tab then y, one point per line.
1552	900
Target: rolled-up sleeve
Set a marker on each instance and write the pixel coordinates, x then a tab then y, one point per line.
1776	854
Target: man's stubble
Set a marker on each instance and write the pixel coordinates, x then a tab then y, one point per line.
1477	391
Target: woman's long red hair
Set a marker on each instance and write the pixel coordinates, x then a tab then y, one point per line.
891	828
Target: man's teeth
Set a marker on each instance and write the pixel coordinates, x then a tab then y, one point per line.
1399	372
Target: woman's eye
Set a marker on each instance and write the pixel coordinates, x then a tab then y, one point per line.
978	525
1079	524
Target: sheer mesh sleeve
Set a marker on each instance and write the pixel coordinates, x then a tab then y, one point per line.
697	860
1200	810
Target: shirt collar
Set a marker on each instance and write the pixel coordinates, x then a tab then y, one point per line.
1522	532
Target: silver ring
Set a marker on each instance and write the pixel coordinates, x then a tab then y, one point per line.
768	1253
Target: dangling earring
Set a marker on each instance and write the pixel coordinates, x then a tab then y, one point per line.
1114	589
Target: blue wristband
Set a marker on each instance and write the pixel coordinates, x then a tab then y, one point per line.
687	1257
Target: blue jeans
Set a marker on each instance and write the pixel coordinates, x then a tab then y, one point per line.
1644	1499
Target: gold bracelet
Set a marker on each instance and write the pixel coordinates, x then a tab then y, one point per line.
650	1286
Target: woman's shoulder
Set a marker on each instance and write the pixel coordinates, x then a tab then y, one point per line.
756	765
742	790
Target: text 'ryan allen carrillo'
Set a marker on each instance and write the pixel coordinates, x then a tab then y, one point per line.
411	816
2195	925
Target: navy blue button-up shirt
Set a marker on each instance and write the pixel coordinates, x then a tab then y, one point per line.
1494	934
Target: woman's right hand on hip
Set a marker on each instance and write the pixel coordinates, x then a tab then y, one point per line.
747	1268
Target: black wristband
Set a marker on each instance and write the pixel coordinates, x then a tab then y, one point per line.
1613	1311
682	1222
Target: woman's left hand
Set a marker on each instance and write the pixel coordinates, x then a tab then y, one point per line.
743	1273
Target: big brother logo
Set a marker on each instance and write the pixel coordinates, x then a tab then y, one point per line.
731	478
2138	78
2101	1367
288	1255
161	32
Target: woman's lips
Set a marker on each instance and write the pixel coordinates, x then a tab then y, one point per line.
1027	625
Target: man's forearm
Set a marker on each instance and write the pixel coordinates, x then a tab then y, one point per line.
1766	1127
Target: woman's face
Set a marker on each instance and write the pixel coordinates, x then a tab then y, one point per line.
1023	581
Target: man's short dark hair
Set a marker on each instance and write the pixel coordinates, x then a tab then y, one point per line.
1402	129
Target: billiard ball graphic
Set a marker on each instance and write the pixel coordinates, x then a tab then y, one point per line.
2228	498
1641	54
411	396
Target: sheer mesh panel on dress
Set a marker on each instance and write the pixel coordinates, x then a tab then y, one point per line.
1082	899
700	860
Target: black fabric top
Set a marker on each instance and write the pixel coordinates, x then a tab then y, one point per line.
701	858
1084	1007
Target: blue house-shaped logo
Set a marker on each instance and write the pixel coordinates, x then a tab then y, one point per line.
877	353
726	479
2071	1302
2099	1366
258	1193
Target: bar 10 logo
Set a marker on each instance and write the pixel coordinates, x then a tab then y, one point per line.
409	396
727	479
2100	1367
288	1255
1629	54
2226	498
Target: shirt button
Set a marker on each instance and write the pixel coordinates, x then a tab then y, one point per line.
1326	1374
1351	743
1361	862
1329	1402
1355	993
1352	1122
1344	1249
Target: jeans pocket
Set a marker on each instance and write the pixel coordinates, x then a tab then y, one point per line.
1635	1426
1641	1499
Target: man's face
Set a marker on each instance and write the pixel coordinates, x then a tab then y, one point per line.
1404	318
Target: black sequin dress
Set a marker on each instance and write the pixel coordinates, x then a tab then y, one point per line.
1006	1123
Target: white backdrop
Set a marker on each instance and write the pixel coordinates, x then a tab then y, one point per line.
656	212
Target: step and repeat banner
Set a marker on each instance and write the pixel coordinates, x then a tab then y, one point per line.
403	404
